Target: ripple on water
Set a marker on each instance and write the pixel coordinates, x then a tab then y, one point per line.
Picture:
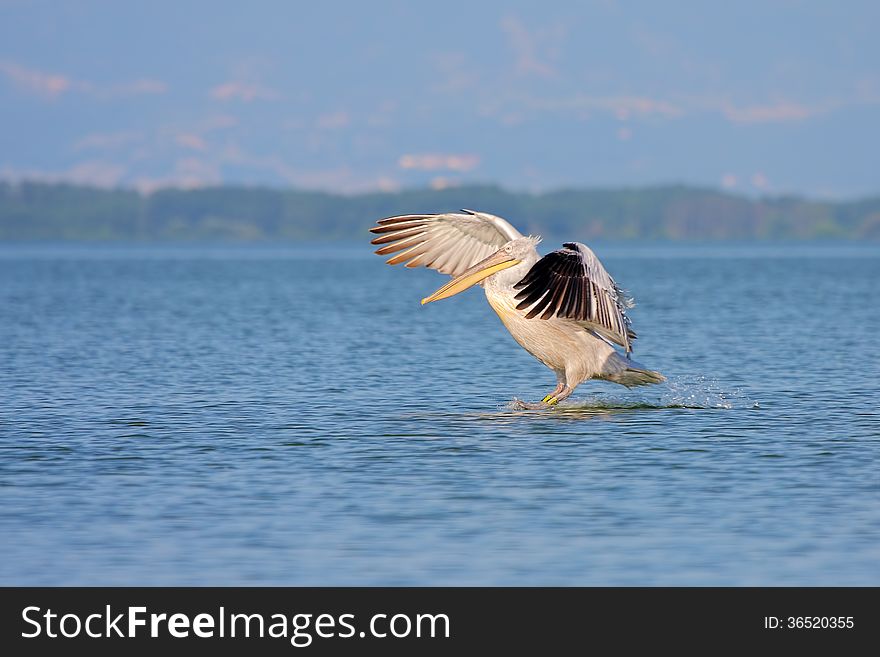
248	419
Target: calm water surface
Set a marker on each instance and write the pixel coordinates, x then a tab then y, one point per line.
293	416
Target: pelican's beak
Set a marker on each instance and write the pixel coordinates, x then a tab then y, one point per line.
491	265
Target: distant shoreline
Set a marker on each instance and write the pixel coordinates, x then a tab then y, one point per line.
36	212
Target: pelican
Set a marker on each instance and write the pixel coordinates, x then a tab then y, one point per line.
563	308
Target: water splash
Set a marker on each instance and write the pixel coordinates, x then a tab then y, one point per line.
694	392
704	392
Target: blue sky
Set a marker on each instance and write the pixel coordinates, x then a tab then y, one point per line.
757	97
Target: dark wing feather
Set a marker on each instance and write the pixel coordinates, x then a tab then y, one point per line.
571	283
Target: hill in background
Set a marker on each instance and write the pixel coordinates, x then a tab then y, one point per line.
60	212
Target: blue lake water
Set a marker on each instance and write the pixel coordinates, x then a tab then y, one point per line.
196	415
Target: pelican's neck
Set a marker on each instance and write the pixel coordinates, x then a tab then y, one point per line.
505	279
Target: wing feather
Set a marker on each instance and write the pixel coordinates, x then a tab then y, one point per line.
571	283
449	243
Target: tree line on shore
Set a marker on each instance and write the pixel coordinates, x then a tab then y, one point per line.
37	211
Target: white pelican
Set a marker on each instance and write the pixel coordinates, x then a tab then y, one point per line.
564	308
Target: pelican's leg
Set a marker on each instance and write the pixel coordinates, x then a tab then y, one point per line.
564	394
560	386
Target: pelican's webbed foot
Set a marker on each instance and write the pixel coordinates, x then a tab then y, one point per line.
520	405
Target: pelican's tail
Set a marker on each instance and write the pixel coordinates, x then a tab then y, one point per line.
635	374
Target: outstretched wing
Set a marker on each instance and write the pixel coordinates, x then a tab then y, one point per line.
571	283
449	243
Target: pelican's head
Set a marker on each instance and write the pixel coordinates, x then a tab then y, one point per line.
510	255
